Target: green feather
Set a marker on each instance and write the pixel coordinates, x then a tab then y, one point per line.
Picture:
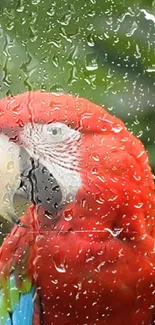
3	307
26	285
14	293
10	295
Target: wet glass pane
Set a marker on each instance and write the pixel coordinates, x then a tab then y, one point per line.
83	250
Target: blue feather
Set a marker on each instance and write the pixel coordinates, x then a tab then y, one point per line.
23	313
21	308
17	316
7	321
27	308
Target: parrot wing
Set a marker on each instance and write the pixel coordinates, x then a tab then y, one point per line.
19	302
16	304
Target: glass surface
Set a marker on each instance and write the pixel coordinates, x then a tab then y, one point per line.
103	51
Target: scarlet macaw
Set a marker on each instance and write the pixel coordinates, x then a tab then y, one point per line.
84	252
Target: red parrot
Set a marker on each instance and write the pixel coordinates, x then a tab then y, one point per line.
84	252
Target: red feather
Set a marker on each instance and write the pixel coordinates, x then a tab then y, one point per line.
96	265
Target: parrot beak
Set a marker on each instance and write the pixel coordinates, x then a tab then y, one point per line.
25	177
9	177
38	184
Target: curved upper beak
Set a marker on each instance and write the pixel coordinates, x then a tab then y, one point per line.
9	177
21	174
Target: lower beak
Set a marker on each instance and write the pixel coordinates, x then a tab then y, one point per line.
38	185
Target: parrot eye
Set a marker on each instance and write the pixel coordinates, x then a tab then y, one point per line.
54	130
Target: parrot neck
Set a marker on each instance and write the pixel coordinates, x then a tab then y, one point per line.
74	218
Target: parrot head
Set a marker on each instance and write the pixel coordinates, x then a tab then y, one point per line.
58	151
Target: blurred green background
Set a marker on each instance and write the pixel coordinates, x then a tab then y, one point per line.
101	50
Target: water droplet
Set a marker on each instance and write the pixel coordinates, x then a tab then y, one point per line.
73	76
64	35
95	156
35	2
51	12
139	205
5	199
10	25
151	69
55	60
140	134
136	177
33	33
118	128
72	56
137	54
100	266
132	29
59	265
54	281
91	63
91	13
101	178
136	122
68	217
57	89
115	232
65	19
20	7
90	40
90	79
124	15
114	198
10	165
148	16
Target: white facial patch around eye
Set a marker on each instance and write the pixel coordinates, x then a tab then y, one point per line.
55	145
53	133
57	132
